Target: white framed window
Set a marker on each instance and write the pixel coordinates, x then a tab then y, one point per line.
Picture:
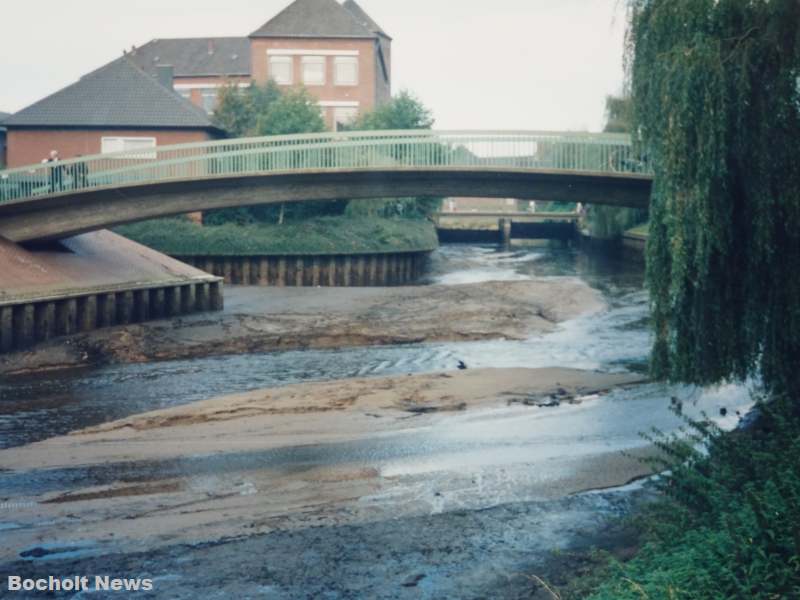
345	70
185	94
281	69
139	147
344	115
314	70
209	97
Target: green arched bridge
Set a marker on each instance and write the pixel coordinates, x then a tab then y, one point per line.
57	200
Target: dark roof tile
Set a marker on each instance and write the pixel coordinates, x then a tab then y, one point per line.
116	95
314	18
362	17
196	57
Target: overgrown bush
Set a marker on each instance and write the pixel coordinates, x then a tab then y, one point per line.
730	524
319	235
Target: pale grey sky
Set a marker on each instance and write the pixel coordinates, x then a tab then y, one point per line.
488	64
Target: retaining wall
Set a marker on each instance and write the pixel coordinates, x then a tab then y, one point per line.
26	322
341	270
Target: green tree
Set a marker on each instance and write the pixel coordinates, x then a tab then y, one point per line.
266	110
404	111
238	110
610	222
619	114
717	105
294	111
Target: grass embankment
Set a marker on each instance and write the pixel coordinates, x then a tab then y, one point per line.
728	526
320	235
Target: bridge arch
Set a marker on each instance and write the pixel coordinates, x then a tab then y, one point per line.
75	196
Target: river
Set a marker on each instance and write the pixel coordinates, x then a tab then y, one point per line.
37	407
505	467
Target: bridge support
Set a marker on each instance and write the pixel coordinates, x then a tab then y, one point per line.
504	227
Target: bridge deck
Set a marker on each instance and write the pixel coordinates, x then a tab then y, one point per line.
100	191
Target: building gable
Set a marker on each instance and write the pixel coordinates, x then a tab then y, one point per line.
314	19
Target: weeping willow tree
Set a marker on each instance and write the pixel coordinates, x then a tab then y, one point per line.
610	222
716	103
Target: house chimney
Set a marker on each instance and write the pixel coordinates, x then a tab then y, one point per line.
165	75
210	47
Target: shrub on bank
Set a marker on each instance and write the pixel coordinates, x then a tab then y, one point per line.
730	524
321	235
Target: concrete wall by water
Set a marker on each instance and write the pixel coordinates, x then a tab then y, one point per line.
355	270
24	323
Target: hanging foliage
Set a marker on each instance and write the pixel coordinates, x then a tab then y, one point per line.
717	106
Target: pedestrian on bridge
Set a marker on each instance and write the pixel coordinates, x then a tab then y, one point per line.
56	174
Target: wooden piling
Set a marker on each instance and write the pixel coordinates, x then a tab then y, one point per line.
188	299
263	271
124	307
87	313
106	309
67	316
217	301
6	328
203	297
24	326
172	303
141	305
45	315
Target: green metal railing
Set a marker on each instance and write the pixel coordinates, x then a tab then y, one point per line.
474	150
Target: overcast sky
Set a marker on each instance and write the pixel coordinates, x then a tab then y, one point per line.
488	64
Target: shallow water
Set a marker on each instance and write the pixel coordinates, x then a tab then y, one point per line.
615	339
460	497
39	407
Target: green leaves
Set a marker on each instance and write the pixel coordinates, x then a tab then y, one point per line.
729	523
404	111
266	110
294	111
317	235
715	93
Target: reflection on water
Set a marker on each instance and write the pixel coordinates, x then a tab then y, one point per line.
617	339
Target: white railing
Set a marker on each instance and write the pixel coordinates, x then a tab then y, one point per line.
396	150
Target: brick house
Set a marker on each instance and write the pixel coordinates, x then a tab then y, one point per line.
117	107
3	117
200	65
335	50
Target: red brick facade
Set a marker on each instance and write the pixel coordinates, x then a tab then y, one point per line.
201	66
363	96
31	146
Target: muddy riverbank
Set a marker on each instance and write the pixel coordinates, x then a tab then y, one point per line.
270	319
464	554
377	471
212	470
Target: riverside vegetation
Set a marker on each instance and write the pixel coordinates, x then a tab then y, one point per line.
716	102
317	235
318	227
